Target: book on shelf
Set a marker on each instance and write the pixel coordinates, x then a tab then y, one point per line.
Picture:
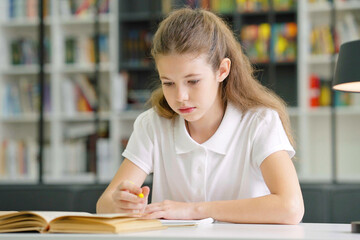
320	93
119	91
22	97
24	9
321	40
222	6
74	222
82	8
138	90
18	159
256	41
252	5
283	5
79	95
136	47
107	165
324	41
346	29
81	49
284	42
24	51
86	152
70	50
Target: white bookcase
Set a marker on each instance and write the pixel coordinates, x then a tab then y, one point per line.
312	126
23	126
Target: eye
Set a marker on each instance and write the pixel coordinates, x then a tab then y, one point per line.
193	82
167	83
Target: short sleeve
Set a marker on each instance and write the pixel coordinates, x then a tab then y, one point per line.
269	137
139	149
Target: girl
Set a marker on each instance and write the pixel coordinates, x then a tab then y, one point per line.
217	142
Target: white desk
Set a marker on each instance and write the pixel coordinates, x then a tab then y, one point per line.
214	231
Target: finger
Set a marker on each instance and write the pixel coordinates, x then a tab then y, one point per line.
131	206
154	207
145	191
125	196
131	211
130	186
155	215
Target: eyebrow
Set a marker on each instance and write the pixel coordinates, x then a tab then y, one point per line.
187	76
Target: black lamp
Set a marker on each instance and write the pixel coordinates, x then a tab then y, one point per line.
347	71
347	79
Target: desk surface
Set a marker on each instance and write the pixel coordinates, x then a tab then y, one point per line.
215	231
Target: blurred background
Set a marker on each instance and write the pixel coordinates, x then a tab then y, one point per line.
65	117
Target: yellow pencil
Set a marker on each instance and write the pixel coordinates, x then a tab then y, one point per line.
140	195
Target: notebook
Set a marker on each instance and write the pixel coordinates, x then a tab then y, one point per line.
180	223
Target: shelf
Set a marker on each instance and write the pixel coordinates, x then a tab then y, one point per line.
25	22
18	180
319	111
83	117
339	111
265	13
347	6
83	178
254	13
284	63
286	12
319	7
140	16
129	115
85	68
29	69
322	59
347	110
88	20
339	6
276	63
23	118
293	111
136	67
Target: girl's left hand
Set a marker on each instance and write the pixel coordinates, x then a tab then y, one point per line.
171	210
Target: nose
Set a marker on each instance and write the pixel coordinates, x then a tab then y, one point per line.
182	94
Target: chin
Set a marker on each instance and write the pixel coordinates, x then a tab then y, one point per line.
191	118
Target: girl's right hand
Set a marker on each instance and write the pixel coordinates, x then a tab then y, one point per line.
126	199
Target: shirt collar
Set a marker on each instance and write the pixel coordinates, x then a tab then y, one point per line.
183	142
218	143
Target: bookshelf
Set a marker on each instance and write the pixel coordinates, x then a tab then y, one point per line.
322	20
69	92
126	76
288	76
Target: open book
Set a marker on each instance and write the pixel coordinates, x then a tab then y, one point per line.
74	222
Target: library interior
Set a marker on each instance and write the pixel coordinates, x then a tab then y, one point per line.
74	77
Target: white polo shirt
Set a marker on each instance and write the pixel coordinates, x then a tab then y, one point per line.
225	167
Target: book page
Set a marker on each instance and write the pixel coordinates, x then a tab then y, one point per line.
50	215
101	217
174	223
6	212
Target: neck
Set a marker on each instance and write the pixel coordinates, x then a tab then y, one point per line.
205	128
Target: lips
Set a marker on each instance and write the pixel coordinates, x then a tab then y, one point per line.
186	109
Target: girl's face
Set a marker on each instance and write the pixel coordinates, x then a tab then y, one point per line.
190	85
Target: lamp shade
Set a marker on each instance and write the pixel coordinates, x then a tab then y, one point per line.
347	71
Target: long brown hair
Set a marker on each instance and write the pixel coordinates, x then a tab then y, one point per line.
199	31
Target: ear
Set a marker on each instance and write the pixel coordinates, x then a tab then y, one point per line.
224	69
